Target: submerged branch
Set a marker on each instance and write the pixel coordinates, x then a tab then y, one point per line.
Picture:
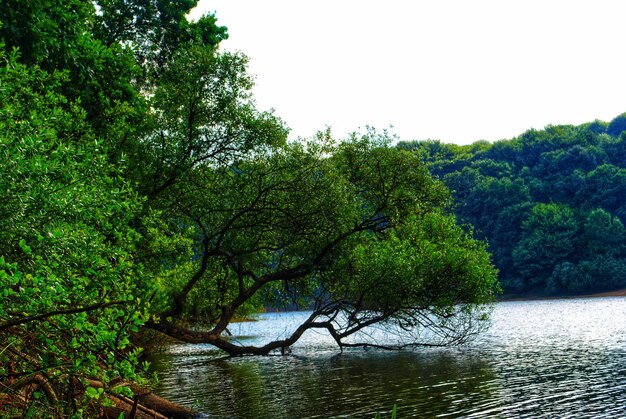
428	331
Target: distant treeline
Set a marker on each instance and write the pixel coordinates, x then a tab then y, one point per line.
551	203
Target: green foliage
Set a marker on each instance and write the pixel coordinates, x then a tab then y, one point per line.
202	114
77	243
548	237
617	125
155	29
142	187
550	203
58	37
67	270
428	261
356	227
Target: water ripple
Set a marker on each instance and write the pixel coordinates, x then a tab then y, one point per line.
563	358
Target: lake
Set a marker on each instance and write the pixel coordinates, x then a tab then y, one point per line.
547	358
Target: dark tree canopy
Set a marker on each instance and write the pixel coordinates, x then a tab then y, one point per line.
617	125
540	201
155	29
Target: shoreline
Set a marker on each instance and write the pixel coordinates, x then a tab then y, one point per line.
615	293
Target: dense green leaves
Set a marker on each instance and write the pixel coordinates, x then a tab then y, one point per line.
74	101
617	125
58	37
548	238
543	200
155	29
141	186
67	270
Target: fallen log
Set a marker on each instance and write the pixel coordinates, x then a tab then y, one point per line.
145	403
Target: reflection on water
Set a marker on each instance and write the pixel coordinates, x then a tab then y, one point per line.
557	358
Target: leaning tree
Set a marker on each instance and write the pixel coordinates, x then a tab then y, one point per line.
356	231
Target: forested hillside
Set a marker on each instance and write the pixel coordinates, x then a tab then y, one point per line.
551	203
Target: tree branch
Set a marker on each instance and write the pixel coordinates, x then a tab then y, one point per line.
24	320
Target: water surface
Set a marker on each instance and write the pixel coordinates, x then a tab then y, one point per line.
552	358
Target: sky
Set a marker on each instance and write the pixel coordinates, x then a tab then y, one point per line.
454	70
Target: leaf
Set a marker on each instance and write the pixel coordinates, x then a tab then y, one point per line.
92	393
25	248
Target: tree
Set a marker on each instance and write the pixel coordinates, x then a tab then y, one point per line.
549	237
58	36
358	232
265	221
603	234
155	29
495	187
604	187
73	103
67	269
617	125
600	263
202	114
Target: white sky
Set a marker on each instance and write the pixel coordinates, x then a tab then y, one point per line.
455	70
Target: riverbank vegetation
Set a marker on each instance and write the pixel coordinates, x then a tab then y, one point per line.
143	189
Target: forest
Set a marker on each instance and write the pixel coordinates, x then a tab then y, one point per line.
145	194
551	204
